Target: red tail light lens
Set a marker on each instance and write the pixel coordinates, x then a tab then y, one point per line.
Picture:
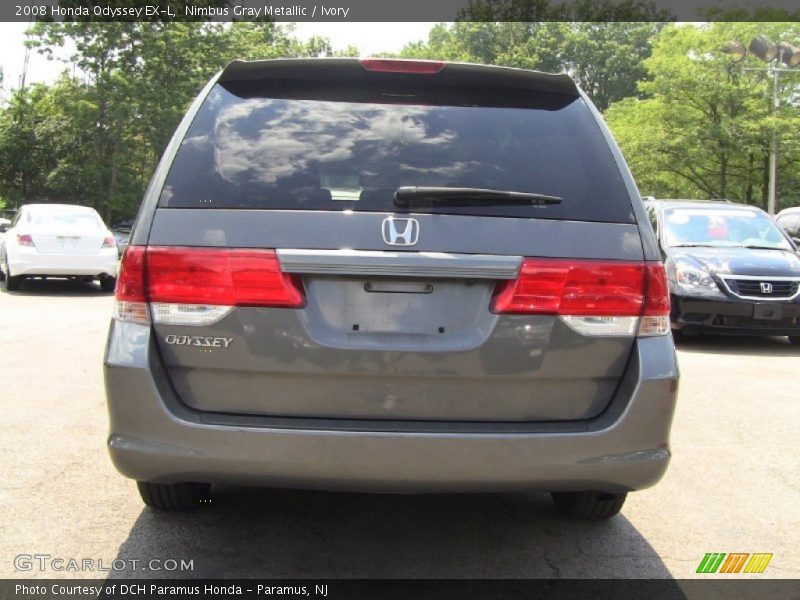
130	279
574	287
420	67
109	243
23	239
131	304
656	303
228	277
198	279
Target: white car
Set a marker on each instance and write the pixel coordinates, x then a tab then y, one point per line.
789	221
4	225
58	240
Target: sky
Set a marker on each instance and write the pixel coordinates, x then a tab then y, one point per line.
370	38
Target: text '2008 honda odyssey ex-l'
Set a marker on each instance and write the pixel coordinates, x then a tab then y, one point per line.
392	276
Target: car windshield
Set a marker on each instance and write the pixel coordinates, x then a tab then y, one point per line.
70	218
722	227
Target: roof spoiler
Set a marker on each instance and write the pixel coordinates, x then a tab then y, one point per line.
357	70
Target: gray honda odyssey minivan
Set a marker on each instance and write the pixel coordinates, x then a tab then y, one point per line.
392	276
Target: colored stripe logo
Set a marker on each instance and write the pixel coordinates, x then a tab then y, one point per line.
735	562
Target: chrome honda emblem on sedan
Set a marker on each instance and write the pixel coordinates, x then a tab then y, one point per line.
766	287
400	232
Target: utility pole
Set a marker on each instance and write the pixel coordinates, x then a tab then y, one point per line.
24	74
773	55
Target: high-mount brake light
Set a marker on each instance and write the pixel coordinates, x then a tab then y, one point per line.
393	65
199	286
593	297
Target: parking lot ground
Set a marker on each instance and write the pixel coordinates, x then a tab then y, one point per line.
733	485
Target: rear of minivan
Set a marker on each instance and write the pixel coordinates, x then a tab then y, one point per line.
386	275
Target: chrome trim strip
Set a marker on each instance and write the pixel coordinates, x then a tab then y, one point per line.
399	264
760	278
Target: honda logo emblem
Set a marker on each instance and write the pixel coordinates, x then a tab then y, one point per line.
766	287
400	232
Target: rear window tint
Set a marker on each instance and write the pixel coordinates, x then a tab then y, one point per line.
319	153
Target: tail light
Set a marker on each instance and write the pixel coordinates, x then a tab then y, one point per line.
24	239
131	296
394	65
109	242
655	316
592	297
198	286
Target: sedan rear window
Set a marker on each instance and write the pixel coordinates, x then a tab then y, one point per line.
71	218
312	152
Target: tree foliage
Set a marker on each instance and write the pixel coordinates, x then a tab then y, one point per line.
95	136
702	124
605	59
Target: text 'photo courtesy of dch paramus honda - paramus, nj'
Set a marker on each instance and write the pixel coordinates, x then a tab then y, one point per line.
392	276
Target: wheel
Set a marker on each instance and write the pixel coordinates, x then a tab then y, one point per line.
794	339
174	496
588	505
10	284
107	284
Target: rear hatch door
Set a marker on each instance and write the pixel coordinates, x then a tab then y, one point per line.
396	320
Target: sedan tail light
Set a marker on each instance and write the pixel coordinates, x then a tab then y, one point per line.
109	242
198	286
594	297
24	239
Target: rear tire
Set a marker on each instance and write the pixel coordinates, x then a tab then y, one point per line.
174	496
11	284
588	505
794	339
108	284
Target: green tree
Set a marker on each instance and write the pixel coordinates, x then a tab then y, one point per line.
703	127
95	136
605	59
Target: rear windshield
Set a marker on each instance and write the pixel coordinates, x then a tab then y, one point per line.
311	151
70	218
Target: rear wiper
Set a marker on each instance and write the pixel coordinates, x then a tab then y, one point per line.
458	196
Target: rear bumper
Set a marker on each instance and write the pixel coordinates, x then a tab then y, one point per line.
155	437
734	317
29	262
